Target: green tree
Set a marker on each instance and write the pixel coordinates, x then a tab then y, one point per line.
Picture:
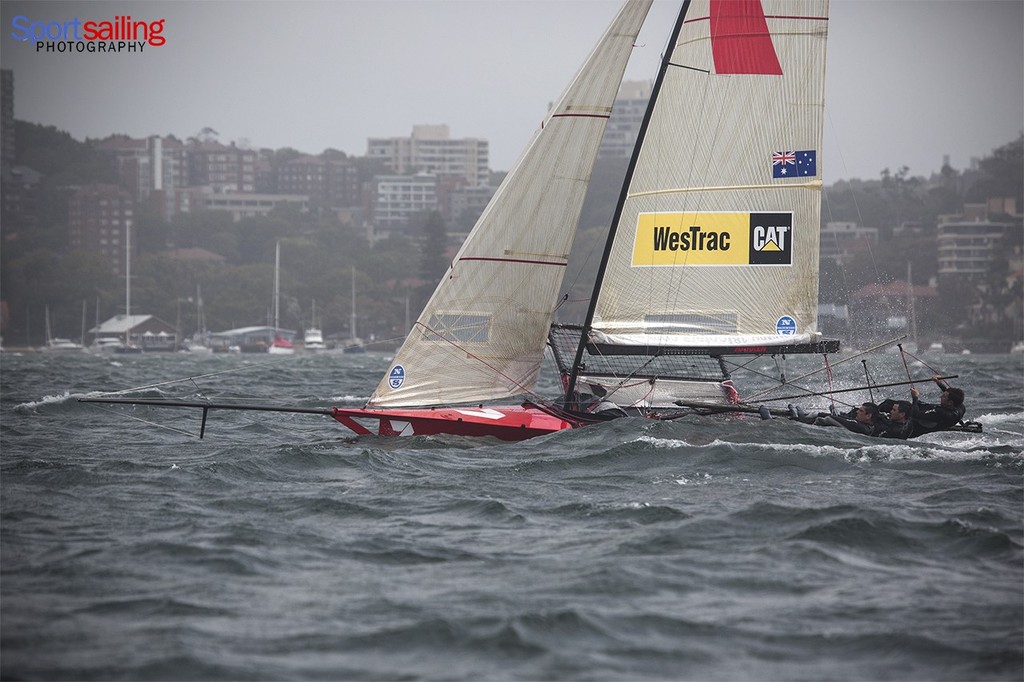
1001	174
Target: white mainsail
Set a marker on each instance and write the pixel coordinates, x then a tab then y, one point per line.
717	240
482	334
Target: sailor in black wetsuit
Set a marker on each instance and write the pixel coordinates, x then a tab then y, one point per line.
928	417
864	419
900	424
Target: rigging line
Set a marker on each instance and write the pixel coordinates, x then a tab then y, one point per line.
852	357
469	354
765	375
903	356
626	378
867	377
914	357
121	413
828	373
856	388
198	376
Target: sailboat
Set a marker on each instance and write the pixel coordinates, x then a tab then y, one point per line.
354	343
711	254
712	251
128	346
313	337
280	345
200	341
55	344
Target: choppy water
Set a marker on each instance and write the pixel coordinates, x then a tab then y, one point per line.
710	548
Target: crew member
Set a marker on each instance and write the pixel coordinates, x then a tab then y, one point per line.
929	417
900	424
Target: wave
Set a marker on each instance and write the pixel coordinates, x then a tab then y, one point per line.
34	405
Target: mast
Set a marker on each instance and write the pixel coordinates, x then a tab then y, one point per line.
128	282
592	306
912	322
352	318
277	284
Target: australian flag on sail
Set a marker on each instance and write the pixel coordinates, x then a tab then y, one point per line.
793	164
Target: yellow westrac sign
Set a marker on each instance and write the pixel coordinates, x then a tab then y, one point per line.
713	238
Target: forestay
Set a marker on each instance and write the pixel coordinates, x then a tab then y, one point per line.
717	240
482	334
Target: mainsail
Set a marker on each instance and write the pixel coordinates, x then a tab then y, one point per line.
482	334
714	245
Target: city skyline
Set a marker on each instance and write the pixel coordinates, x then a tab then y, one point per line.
906	83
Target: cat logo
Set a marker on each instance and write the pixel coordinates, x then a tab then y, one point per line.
713	238
771	238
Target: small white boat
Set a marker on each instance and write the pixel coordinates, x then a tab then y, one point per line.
56	344
313	339
59	345
280	345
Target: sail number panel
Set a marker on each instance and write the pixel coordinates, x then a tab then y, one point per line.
713	238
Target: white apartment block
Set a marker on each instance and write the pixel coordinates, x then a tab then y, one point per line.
431	149
242	205
401	197
969	243
841	240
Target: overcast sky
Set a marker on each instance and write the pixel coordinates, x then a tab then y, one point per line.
908	81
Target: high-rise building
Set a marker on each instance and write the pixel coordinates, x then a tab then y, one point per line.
223	168
398	198
99	217
431	149
153	169
329	183
969	243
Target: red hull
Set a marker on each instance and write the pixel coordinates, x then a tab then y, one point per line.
507	422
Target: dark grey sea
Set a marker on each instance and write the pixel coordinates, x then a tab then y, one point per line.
281	547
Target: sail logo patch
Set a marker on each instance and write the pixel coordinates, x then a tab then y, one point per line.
396	377
697	238
786	326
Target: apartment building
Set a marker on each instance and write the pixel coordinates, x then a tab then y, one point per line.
241	205
154	169
431	149
399	198
99	218
842	240
968	243
222	168
329	183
